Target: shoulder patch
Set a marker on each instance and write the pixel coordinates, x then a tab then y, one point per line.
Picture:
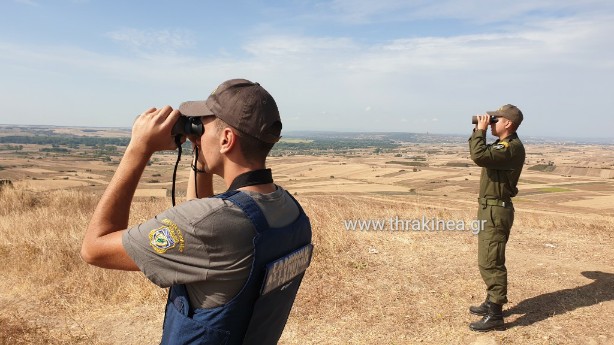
501	146
166	237
282	271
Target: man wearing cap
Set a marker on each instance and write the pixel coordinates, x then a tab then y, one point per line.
234	261
501	164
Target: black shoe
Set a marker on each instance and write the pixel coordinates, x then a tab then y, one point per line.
481	310
492	320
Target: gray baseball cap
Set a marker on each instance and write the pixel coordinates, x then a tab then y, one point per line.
242	104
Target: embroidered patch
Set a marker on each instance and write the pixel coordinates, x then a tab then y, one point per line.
167	237
502	145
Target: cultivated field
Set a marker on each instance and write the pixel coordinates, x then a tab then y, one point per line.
363	287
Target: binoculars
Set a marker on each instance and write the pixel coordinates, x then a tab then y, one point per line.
188	125
493	119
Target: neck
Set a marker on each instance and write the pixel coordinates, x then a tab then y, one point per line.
506	134
261	188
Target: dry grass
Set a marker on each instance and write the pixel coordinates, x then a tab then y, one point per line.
362	288
410	287
46	284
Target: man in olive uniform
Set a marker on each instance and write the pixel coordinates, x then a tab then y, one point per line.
501	164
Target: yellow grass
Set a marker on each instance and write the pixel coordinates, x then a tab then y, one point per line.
383	287
362	287
600	202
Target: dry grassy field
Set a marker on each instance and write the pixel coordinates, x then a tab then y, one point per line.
363	287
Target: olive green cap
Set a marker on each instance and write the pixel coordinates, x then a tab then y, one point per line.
510	112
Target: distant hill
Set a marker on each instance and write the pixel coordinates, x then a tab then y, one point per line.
404	137
70	134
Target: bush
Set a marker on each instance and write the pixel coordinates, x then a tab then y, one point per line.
543	167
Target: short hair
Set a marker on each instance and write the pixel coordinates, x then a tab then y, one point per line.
254	150
514	125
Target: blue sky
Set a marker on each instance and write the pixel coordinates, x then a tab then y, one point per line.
341	65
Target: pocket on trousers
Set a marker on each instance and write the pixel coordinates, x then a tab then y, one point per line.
181	329
492	254
502	219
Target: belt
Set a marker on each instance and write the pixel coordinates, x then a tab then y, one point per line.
494	202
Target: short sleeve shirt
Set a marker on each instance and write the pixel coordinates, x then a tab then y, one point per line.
206	244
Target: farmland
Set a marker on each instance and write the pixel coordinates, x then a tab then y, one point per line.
385	287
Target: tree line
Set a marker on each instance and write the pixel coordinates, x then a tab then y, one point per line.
63	140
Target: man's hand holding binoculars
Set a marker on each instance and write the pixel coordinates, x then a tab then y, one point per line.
151	131
483	121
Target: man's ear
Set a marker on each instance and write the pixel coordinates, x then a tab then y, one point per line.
509	124
228	140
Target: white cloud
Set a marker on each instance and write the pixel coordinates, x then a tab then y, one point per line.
149	40
27	2
554	67
553	40
548	68
298	46
477	11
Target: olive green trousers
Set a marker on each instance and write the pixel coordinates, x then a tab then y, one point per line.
492	240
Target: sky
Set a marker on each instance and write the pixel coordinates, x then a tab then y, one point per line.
340	65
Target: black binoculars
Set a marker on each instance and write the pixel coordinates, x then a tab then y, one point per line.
188	125
493	119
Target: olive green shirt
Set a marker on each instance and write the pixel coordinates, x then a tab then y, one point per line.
501	164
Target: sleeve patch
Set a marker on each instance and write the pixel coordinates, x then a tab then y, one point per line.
166	237
501	146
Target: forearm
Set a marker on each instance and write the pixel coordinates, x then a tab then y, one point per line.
477	144
102	241
113	210
490	156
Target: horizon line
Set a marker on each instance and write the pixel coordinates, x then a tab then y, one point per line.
551	137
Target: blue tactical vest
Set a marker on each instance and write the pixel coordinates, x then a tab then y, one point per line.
258	313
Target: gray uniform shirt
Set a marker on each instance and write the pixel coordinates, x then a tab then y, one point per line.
206	244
